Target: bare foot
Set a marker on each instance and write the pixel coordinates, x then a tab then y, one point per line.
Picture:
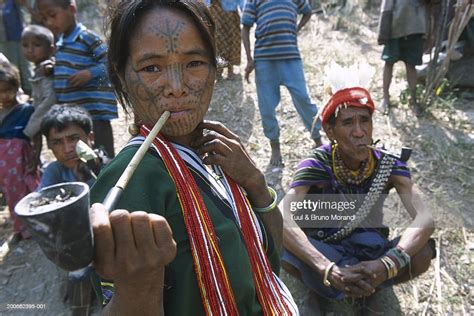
219	73
416	107
384	105
230	73
276	159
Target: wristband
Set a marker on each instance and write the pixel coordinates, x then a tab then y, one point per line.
326	274
400	256
273	204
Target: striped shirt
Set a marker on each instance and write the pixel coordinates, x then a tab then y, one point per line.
83	49
317	170
275	35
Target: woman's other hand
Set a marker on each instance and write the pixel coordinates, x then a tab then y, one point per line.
219	146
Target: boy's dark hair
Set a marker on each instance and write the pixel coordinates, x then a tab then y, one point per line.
122	24
41	32
60	116
63	3
9	73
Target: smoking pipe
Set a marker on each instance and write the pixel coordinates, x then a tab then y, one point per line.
404	154
61	227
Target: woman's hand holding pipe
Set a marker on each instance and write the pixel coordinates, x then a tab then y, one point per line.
132	250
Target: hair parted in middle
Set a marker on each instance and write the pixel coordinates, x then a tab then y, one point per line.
123	21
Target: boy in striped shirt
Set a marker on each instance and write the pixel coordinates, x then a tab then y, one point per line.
80	75
277	62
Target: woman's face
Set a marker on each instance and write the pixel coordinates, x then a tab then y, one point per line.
169	69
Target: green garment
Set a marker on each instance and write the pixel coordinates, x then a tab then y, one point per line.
151	189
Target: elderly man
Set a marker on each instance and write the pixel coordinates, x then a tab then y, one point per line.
352	257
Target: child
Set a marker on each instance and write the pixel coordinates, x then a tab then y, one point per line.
17	176
38	47
277	61
11	25
80	70
63	126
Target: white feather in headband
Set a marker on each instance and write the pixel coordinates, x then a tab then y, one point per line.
347	87
338	77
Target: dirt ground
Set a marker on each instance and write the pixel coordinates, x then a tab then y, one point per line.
441	165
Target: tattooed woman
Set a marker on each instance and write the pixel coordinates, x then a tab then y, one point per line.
197	230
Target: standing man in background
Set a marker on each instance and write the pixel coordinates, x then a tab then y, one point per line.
403	40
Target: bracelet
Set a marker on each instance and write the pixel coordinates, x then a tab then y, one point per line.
391	267
386	267
400	256
326	274
270	207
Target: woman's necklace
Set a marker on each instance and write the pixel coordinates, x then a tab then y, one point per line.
348	176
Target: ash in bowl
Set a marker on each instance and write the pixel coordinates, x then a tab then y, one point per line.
51	199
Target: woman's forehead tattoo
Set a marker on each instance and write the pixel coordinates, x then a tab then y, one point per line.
170	31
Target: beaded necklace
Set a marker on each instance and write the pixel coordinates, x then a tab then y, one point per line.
347	175
379	182
216	292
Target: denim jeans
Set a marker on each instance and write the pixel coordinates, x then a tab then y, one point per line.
269	76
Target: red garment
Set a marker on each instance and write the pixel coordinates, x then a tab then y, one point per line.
355	96
15	182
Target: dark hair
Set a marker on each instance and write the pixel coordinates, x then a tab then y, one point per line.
9	73
332	120
41	32
60	116
62	3
124	20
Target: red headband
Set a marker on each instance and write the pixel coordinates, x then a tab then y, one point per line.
355	96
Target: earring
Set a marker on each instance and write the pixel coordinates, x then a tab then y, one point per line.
133	129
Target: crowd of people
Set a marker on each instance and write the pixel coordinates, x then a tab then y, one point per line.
198	231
